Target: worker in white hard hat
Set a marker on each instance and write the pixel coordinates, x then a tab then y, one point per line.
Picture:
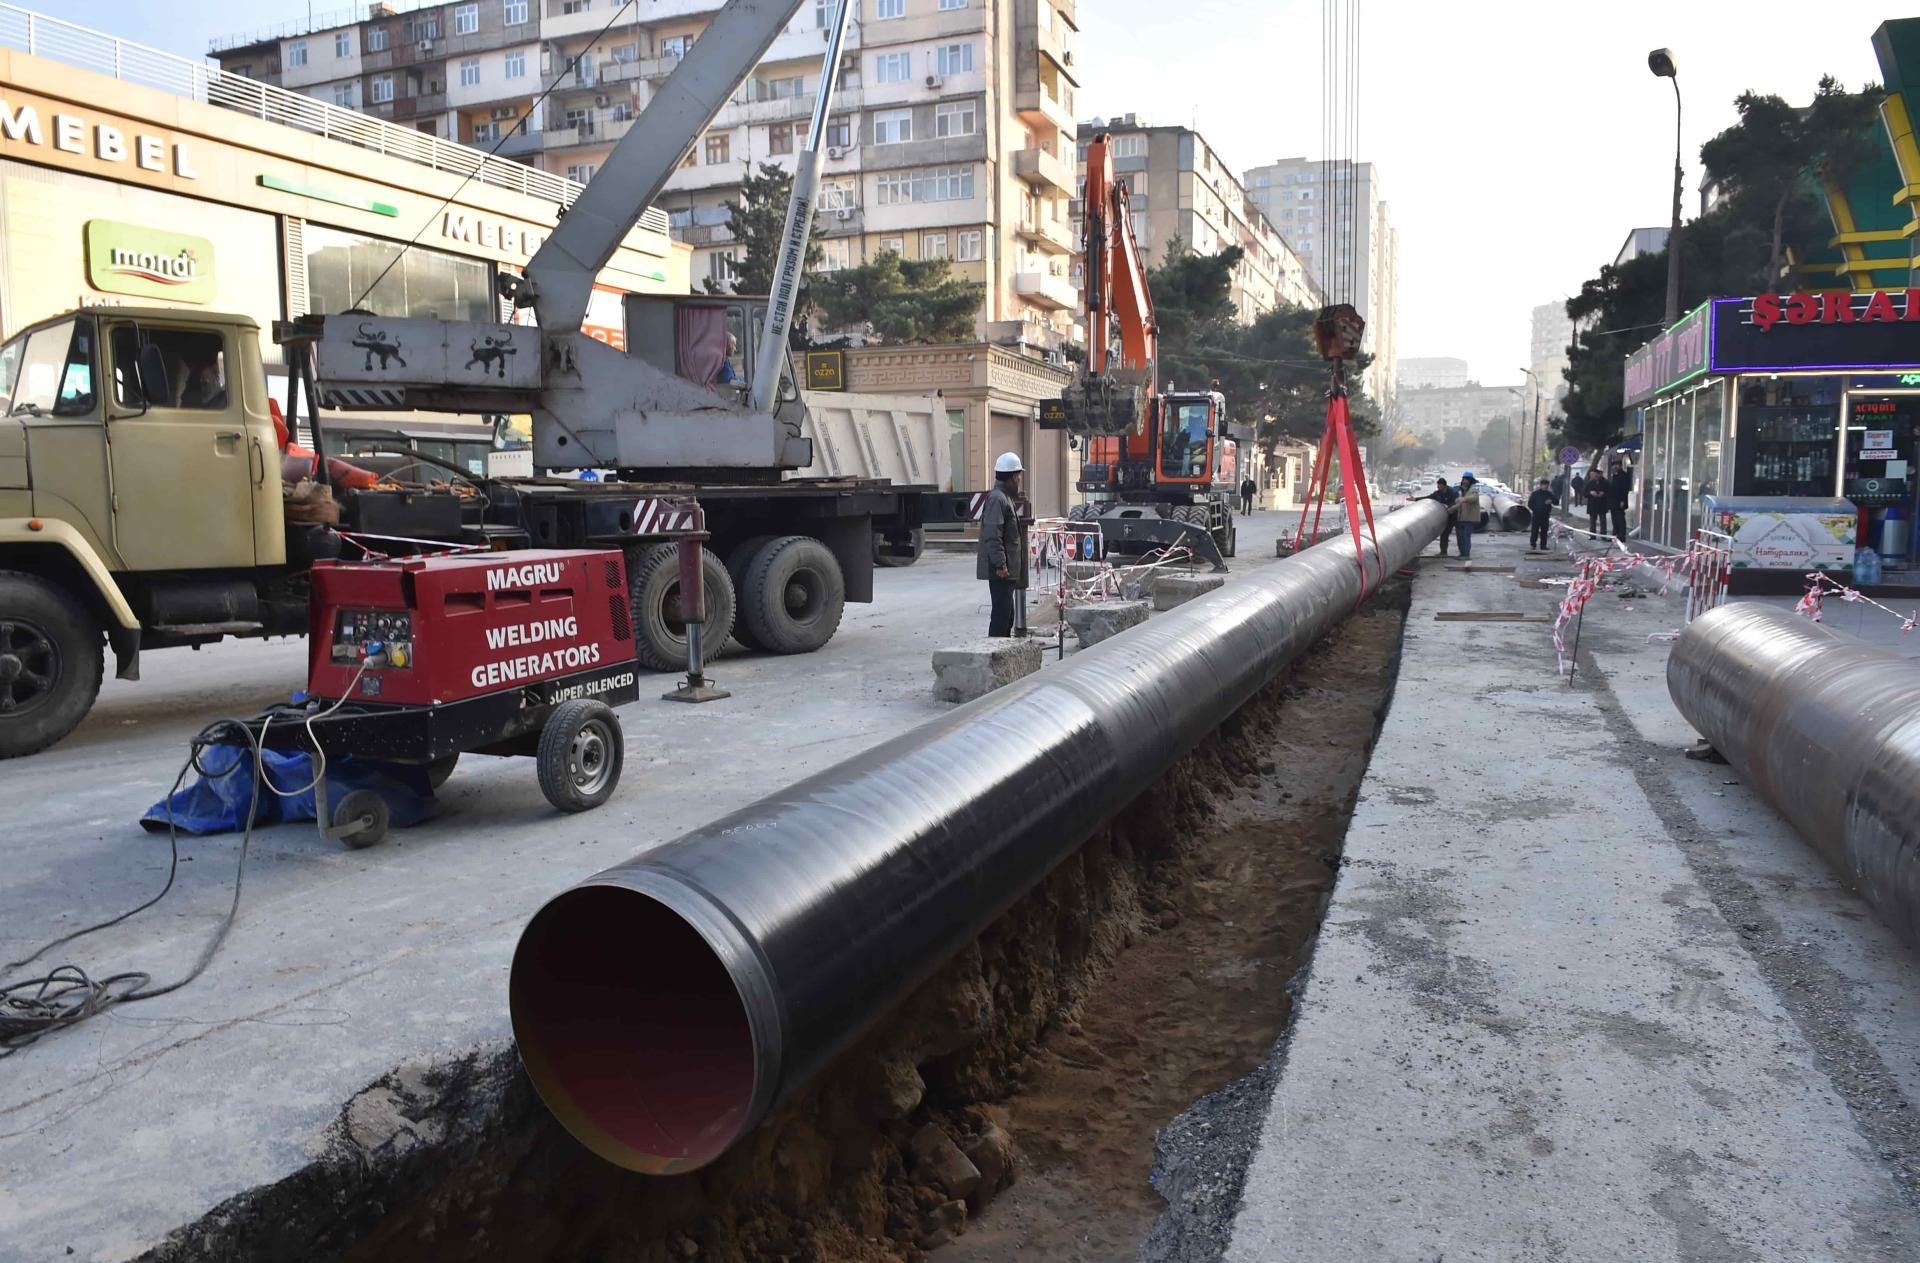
999	561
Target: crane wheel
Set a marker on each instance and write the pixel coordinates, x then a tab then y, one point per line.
50	663
794	595
738	562
659	632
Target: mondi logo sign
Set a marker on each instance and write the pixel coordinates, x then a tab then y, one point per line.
148	263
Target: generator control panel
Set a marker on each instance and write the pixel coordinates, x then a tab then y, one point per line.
359	631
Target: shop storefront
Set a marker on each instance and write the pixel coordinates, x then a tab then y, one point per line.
1788	421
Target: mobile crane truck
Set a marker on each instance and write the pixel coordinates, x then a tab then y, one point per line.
1159	470
141	498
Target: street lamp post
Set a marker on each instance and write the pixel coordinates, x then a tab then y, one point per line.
1533	426
1660	61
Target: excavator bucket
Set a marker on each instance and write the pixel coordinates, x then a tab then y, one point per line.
1096	406
1130	530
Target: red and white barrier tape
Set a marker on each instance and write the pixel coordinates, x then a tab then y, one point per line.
1819	585
1705	564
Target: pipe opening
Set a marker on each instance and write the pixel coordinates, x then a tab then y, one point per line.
632	1030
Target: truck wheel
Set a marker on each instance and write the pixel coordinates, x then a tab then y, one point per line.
794	595
50	663
581	751
659	632
894	561
737	562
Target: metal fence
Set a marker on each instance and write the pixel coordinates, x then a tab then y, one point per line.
43	36
1709	571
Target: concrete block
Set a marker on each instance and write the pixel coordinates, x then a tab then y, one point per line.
1094	623
964	672
1170	590
1082	571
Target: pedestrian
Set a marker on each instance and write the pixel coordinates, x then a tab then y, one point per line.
1596	492
1619	486
1446	496
1579	488
1466	512
1541	505
999	557
1247	489
1559	487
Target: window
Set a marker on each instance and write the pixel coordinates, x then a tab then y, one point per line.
343	44
516	64
515	13
195	363
943	184
898	245
955	118
837	195
466	19
892	127
469	72
889	8
676	46
297	53
56	372
582	171
418	282
952	4
1046	15
953	59
779	89
822	14
893	68
579	119
423	28
933	245
719	269
719	148
343	95
1129	146
835	254
486	133
376	39
575	6
839	133
383	87
780	138
969	242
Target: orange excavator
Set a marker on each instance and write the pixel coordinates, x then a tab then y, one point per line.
1159	471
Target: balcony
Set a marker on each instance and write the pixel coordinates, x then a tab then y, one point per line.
619	71
839	221
1050	235
1040	168
1053	46
1044	289
519	144
704	234
1038	104
597	132
775	110
426	103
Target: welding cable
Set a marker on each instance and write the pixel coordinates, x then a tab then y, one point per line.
31	1008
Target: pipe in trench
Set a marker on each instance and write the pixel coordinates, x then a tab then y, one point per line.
664	1006
1826	728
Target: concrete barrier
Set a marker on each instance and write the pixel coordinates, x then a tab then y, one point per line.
964	672
1170	590
1094	623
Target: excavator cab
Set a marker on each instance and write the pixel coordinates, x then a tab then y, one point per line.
1188	426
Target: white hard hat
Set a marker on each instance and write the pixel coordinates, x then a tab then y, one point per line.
1009	463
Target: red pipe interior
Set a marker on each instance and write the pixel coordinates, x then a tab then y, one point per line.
632	1029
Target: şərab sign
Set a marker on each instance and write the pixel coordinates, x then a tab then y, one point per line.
148	262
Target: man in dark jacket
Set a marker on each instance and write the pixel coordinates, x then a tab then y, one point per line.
1541	505
1619	486
1446	496
999	561
1247	490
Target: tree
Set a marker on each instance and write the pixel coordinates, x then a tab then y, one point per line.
1779	152
899	300
1458	443
758	219
1495	448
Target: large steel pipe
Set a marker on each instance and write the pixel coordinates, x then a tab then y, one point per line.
1826	728
665	1005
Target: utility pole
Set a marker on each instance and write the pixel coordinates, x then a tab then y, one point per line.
1532	427
1661	62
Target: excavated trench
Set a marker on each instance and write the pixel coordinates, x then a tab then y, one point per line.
1008	1109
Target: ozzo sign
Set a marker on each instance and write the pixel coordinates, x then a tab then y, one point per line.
73	134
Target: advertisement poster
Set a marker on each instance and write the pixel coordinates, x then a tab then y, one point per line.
1775	533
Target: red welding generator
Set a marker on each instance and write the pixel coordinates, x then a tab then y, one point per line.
421	659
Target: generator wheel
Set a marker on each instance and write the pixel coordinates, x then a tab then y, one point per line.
794	595
366	806
737	562
660	635
50	663
441	770
581	751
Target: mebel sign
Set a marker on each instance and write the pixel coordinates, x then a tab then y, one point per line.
70	133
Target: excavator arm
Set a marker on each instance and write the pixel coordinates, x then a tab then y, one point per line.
1121	381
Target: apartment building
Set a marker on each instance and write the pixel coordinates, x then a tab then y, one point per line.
1552	332
1350	247
1415	373
466	71
1178	188
1430	411
949	136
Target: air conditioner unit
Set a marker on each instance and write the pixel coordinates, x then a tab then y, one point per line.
424	47
935	81
503	112
835	151
1067	57
845	212
603	101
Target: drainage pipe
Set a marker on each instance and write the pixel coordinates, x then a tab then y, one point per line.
664	1006
1826	728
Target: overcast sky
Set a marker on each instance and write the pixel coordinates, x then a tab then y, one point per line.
1517	140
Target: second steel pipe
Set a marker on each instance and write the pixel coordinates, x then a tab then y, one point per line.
664	1006
1826	728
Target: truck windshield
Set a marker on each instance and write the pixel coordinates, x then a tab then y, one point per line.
1183	441
56	371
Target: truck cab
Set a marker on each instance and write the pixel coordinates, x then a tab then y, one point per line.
139	498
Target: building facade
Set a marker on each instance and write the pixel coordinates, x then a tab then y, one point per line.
949	136
1354	257
1179	189
1552	333
1641	241
1430	411
1417	373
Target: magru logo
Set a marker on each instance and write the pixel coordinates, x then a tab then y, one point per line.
149	262
180	269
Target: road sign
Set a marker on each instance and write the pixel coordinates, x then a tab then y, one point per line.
1569	455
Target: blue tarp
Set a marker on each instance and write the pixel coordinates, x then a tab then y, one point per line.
219	803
